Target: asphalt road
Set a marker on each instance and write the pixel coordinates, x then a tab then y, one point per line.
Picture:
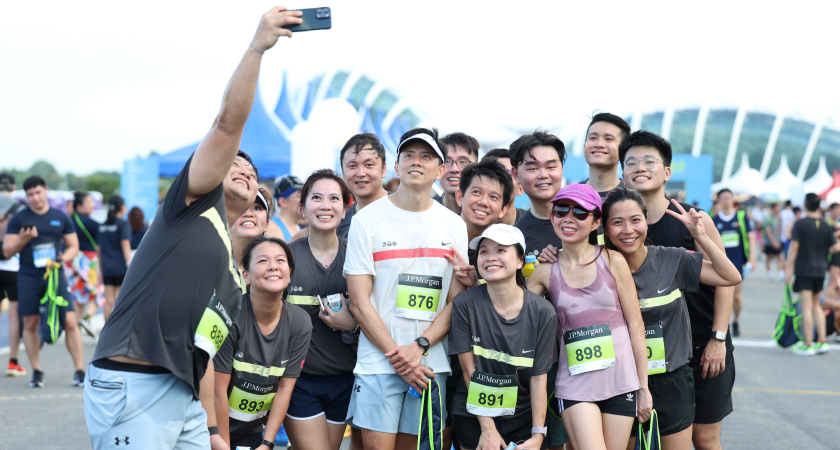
782	401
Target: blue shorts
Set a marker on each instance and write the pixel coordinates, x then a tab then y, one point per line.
32	289
314	396
381	403
143	410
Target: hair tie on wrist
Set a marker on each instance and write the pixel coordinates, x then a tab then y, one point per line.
255	49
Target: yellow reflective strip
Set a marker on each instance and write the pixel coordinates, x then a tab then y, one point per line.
302	300
503	357
659	301
257	369
221	227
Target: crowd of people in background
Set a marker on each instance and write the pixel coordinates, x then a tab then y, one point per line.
418	320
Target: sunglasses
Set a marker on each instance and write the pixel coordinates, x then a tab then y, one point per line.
561	211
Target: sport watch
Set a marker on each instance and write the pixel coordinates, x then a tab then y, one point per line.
538	430
719	335
424	344
268	444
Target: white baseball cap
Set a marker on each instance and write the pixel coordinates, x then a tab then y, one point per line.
502	233
425	138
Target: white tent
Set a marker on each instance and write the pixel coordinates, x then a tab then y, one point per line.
821	180
745	180
783	185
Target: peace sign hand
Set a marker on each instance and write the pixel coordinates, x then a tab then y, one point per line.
464	272
691	219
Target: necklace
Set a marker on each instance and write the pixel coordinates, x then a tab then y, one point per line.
503	314
328	264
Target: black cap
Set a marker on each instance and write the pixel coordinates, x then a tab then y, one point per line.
286	185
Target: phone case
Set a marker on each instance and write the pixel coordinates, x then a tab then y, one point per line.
313	19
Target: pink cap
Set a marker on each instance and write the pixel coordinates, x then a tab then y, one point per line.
582	194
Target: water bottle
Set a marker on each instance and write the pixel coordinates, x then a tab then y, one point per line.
530	264
413	392
747	269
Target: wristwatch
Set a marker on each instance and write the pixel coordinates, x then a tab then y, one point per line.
537	430
268	444
423	343
719	335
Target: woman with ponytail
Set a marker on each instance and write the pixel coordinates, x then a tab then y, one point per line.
114	240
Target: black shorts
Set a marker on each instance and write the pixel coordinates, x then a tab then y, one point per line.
32	289
673	400
113	281
769	250
316	396
250	440
620	405
517	429
712	396
8	285
835	260
557	434
813	284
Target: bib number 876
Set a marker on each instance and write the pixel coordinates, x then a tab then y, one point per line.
217	336
424	301
245	405
587	353
489	400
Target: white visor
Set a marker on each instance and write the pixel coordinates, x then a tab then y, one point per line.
501	233
425	138
262	200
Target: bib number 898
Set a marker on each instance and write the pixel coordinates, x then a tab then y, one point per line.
489	400
245	405
217	336
587	353
425	301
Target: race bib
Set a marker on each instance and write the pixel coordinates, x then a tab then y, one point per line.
492	395
655	339
589	348
43	253
417	296
249	400
213	328
730	239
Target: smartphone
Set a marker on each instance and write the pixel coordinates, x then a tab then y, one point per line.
313	19
27	225
321	304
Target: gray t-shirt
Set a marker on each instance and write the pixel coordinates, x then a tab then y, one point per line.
328	355
539	233
661	282
524	346
256	363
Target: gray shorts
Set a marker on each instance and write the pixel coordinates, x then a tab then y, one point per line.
148	411
382	403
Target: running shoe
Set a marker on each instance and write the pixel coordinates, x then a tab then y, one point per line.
801	349
735	330
837	337
821	347
86	325
15	370
37	379
79	379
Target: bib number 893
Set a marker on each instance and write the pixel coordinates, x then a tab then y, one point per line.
245	405
489	400
587	353
424	301
217	336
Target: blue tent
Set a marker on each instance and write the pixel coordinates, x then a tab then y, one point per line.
266	141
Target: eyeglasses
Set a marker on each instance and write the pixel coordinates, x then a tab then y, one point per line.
648	161
561	211
461	163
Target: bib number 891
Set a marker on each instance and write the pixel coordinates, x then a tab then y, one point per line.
587	353
245	405
217	336
424	301
489	400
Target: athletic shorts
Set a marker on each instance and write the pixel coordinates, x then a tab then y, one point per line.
620	405
769	250
556	430
381	403
673	400
517	430
785	247
8	285
835	260
113	281
141	410
316	396
250	440
32	289
712	396
813	284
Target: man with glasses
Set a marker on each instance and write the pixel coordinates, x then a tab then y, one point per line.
646	161
462	149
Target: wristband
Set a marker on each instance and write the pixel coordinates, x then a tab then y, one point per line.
255	49
213	430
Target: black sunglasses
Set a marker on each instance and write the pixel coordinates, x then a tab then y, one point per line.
561	211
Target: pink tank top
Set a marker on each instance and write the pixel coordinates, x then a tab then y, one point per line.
595	304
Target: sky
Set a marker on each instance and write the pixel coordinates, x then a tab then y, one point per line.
88	84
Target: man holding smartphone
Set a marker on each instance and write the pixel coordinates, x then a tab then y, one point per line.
39	233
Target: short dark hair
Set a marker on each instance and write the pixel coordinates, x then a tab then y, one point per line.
489	168
431	132
33	182
497	153
812	202
245	156
323	174
136	219
645	138
525	144
250	246
613	119
463	140
79	198
787	203
797	209
723	191
356	143
7	182
833	205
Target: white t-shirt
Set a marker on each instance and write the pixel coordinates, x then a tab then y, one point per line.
787	217
387	242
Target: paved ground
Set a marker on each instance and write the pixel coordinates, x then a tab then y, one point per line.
781	401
